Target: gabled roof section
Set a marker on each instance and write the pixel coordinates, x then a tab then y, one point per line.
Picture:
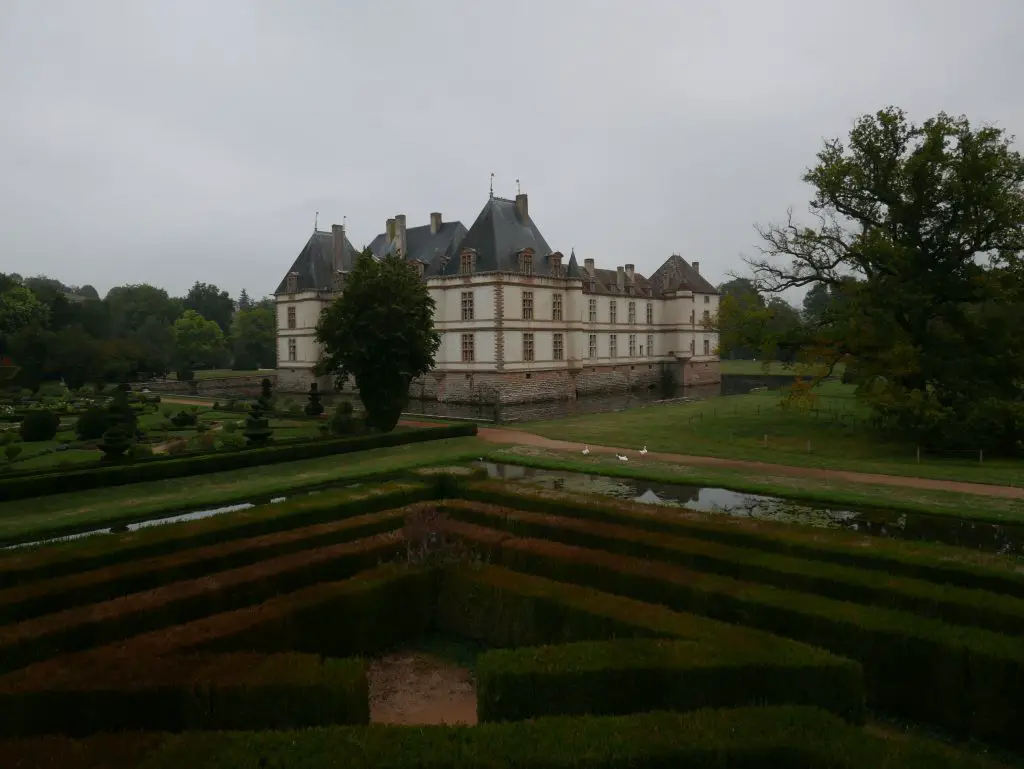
607	282
676	274
497	236
315	263
423	245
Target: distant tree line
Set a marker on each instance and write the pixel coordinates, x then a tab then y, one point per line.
52	331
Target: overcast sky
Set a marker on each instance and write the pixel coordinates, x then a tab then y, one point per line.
173	141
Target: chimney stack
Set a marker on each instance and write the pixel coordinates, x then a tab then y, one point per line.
696	267
338	237
435	223
400	234
523	208
389	229
588	264
620	278
629	272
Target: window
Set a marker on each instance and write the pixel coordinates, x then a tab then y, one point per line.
527	305
631	312
593	346
526	263
707	299
466	264
707	317
650	345
650	314
691	317
613	312
467	305
707	347
527	347
556	307
613	346
691	346
291	317
557	347
632	345
467	348
293	282
556	266
592	310
293	350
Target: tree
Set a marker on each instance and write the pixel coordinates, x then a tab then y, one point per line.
244	302
198	342
816	302
919	232
740	308
130	306
155	343
75	356
88	292
212	303
380	331
21	308
254	339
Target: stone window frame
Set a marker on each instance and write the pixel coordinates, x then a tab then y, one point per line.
632	345
291	315
527	302
693	317
468	306
707	299
467	263
650	345
650	313
613	345
592	310
556	306
631	313
292	283
707	346
468	346
613	312
592	341
526	261
293	350
529	349
558	346
555	263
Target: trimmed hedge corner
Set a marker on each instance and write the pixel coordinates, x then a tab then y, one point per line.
163	468
639	675
186	692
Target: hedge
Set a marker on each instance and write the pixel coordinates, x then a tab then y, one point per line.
956	605
970	681
635	676
937	564
186	692
782	738
161	468
34	599
19	568
504	608
96	624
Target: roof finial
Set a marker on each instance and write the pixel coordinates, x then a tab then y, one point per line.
517	187
492	184
344	221
316	221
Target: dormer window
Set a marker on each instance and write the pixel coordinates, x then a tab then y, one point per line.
467	263
526	262
292	282
555	263
418	267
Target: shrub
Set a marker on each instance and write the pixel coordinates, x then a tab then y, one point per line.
12	451
39	425
91	424
314	408
184	419
343	423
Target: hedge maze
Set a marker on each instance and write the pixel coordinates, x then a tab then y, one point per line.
616	636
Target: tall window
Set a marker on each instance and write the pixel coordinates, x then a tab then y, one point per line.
707	347
291	317
556	307
467	305
293	283
592	310
650	314
691	346
527	305
557	347
613	312
593	346
691	317
526	264
468	348
466	264
293	350
650	345
707	317
631	312
632	345
707	299
527	346
613	346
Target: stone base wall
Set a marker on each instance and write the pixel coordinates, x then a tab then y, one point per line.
296	380
237	386
697	374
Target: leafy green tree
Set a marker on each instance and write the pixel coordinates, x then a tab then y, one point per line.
739	309
919	231
19	309
244	302
30	348
816	302
253	339
155	345
198	342
75	356
212	303
88	292
130	306
380	332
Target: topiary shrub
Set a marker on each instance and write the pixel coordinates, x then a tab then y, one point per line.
343	423
257	426
91	424
184	419
314	408
119	436
39	425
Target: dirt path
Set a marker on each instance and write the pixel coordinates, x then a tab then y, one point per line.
416	688
521	438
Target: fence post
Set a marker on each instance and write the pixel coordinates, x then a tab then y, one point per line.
919	455
981	455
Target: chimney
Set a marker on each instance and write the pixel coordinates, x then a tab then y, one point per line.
629	272
696	267
338	236
400	234
523	207
435	223
389	230
588	264
620	278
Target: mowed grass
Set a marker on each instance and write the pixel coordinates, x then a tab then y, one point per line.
28	518
760	368
832	432
224	373
831	492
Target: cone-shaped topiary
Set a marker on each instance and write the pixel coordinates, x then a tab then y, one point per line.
119	436
314	408
257	426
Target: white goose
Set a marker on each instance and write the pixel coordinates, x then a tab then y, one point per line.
621	458
643	450
586	450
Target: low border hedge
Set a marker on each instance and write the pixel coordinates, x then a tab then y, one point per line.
186	692
977	608
161	468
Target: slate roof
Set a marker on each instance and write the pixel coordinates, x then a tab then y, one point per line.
423	245
497	235
315	263
676	274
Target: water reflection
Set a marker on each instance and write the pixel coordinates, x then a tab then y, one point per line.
1005	539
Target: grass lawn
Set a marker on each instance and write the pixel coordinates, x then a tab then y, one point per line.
222	373
833	434
27	518
759	368
832	492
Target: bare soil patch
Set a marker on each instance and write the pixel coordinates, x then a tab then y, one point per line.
411	687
